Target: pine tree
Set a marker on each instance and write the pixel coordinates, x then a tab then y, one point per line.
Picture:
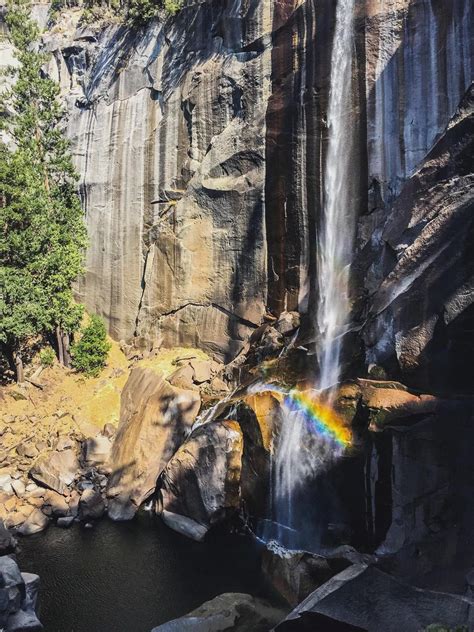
89	355
42	231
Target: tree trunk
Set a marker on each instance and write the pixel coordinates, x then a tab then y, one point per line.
20	375
67	355
59	340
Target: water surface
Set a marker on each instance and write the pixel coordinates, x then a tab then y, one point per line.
130	577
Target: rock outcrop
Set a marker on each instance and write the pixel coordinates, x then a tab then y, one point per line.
364	598
230	611
155	419
200	485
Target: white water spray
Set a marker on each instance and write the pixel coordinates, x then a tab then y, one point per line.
337	227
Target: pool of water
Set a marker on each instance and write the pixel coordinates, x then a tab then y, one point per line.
130	577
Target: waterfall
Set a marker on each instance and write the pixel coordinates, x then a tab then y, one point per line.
336	233
302	499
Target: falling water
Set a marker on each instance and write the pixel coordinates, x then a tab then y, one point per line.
337	222
302	500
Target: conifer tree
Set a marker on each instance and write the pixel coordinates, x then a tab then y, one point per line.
42	231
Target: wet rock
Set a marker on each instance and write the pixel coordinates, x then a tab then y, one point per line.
229	611
388	405
35	522
56	470
369	599
295	574
65	521
91	505
202	481
154	420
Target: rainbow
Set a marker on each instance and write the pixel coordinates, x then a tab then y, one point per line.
319	415
322	417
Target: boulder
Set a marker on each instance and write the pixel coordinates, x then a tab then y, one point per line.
201	483
202	370
365	598
183	377
18	487
12	589
65	521
65	442
287	323
18	596
57	502
7	541
230	611
392	405
37	521
295	574
28	450
155	418
91	505
56	470
260	420
96	450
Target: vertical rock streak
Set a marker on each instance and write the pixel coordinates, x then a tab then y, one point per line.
338	223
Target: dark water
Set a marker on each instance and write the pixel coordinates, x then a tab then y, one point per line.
130	577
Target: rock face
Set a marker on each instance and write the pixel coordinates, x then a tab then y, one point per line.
217	118
155	418
230	611
200	486
56	470
365	598
18	594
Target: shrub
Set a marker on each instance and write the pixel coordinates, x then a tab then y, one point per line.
47	357
89	354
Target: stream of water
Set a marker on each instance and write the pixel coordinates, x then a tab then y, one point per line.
299	496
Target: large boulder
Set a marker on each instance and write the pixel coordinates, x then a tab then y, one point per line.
155	418
56	470
18	592
91	505
365	598
36	521
230	611
296	574
200	486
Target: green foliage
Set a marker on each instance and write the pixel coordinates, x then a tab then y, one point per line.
173	6
47	357
89	354
42	231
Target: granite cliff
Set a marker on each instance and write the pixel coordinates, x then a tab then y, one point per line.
200	142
